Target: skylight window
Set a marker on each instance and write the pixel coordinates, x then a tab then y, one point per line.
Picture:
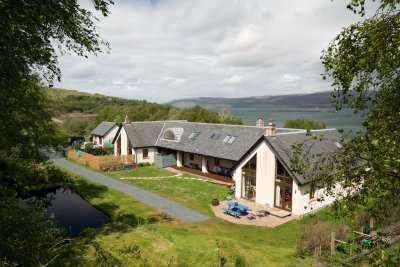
229	139
214	136
232	139
193	135
226	139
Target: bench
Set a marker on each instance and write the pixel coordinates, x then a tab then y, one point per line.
233	212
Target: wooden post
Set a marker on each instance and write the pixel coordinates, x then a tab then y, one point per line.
332	243
371	224
220	254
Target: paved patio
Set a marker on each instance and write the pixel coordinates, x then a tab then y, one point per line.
270	220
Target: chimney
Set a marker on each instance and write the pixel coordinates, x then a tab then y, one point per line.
127	120
260	122
270	128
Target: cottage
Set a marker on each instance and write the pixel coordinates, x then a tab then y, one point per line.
104	133
255	158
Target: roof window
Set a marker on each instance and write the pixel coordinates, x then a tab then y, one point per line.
232	139
193	135
214	136
229	139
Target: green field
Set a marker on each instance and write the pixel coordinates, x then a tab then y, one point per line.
164	241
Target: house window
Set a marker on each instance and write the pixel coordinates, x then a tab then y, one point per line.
312	191
169	135
214	136
191	156
226	139
217	162
193	135
145	153
229	139
232	139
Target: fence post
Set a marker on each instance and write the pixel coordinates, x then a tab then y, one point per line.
332	243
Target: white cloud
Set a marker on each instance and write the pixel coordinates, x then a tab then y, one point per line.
291	77
161	50
234	79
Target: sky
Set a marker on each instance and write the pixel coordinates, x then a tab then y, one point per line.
168	49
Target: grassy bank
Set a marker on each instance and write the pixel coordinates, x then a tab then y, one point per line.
162	240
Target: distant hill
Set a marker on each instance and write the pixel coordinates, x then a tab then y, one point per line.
322	99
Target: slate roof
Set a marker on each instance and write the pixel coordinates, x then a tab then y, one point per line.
103	128
282	146
150	133
143	134
246	137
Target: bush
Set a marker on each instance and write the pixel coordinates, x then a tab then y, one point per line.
317	233
144	164
304	124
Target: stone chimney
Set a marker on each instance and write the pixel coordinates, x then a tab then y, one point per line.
127	120
270	128
260	122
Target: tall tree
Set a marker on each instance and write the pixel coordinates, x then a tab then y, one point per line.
363	62
33	33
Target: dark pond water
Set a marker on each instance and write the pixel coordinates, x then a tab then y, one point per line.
70	210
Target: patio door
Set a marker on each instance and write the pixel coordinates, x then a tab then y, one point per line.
283	196
283	188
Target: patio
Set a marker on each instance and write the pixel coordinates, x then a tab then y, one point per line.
275	218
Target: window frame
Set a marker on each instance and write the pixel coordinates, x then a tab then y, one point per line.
145	152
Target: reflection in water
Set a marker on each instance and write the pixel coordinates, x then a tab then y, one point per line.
70	210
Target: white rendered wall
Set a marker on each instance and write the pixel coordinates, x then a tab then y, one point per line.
109	137
302	203
179	158
149	159
265	174
124	142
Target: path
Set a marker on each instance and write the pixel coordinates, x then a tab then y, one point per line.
164	205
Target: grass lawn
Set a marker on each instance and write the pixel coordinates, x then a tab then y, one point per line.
147	171
163	241
191	193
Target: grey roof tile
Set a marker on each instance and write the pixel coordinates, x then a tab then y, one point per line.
283	142
204	145
103	128
143	134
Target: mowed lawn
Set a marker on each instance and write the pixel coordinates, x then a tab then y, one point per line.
167	242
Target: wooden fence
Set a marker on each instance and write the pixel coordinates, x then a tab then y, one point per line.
102	162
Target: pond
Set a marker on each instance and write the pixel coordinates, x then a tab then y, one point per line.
70	210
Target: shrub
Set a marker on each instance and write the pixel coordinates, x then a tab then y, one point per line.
144	164
317	233
304	124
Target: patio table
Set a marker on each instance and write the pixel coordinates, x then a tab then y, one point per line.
235	209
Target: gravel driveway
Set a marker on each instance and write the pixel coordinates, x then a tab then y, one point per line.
164	205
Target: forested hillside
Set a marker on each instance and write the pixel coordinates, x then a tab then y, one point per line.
78	113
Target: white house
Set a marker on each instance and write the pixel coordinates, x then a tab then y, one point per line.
257	158
104	133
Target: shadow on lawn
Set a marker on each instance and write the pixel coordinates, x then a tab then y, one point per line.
74	253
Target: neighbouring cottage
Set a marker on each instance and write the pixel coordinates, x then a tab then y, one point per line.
104	133
255	158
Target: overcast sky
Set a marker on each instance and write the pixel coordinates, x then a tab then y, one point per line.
168	49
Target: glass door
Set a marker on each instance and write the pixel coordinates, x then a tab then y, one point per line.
283	196
249	180
283	188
